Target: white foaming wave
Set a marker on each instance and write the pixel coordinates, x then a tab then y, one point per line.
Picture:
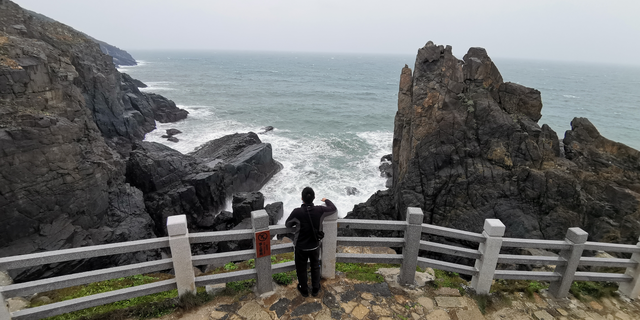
570	96
198	112
306	163
195	132
125	68
158	86
154	88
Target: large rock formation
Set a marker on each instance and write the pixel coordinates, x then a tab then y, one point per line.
69	122
467	146
198	185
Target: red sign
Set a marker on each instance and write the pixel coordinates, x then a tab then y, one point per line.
263	244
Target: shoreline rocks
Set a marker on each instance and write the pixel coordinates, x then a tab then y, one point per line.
467	146
73	169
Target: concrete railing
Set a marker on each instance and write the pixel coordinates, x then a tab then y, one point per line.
487	256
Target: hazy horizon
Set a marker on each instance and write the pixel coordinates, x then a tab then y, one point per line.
545	30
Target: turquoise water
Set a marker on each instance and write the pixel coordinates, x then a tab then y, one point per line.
333	113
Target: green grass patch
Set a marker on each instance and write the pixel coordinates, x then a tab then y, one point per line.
597	290
159	304
449	280
511	286
364	271
284	278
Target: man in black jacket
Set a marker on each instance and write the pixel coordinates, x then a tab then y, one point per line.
308	222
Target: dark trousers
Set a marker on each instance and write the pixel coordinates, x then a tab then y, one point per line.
301	258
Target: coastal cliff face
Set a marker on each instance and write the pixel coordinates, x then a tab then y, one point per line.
73	171
467	147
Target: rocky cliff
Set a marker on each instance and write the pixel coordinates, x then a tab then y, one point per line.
467	146
70	131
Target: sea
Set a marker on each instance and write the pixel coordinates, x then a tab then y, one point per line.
333	114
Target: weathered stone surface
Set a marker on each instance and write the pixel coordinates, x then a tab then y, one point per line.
542	315
473	313
330	300
445	291
281	306
381	289
467	146
360	312
218	315
438	315
450	302
306	308
348	296
427	303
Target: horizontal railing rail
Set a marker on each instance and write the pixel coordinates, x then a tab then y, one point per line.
452	233
41	258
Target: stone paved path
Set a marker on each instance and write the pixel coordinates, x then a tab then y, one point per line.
343	298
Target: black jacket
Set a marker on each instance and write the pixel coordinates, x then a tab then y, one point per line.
304	238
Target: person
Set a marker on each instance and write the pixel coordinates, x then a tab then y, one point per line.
308	222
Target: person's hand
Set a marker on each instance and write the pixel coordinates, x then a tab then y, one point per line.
323	199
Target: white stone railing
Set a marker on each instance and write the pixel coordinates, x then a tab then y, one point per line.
487	257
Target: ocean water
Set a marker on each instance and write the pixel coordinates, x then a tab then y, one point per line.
333	113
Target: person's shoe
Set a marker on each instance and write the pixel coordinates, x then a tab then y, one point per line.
315	292
304	293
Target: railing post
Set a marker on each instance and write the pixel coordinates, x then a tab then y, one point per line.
330	229
490	250
260	222
412	235
4	309
576	237
632	289
181	254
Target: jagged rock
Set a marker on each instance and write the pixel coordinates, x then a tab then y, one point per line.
173	139
245	202
223	221
119	56
275	211
129	80
467	146
266	129
62	183
247	163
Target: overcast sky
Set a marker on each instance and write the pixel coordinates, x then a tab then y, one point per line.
606	31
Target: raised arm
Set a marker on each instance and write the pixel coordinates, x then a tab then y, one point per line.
292	221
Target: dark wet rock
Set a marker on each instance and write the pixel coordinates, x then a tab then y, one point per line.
281	307
275	211
330	300
246	162
467	146
336	314
244	203
348	296
223	220
351	191
173	132
306	308
173	139
120	57
131	81
66	126
228	307
266	129
381	289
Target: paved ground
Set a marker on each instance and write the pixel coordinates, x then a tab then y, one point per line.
343	298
